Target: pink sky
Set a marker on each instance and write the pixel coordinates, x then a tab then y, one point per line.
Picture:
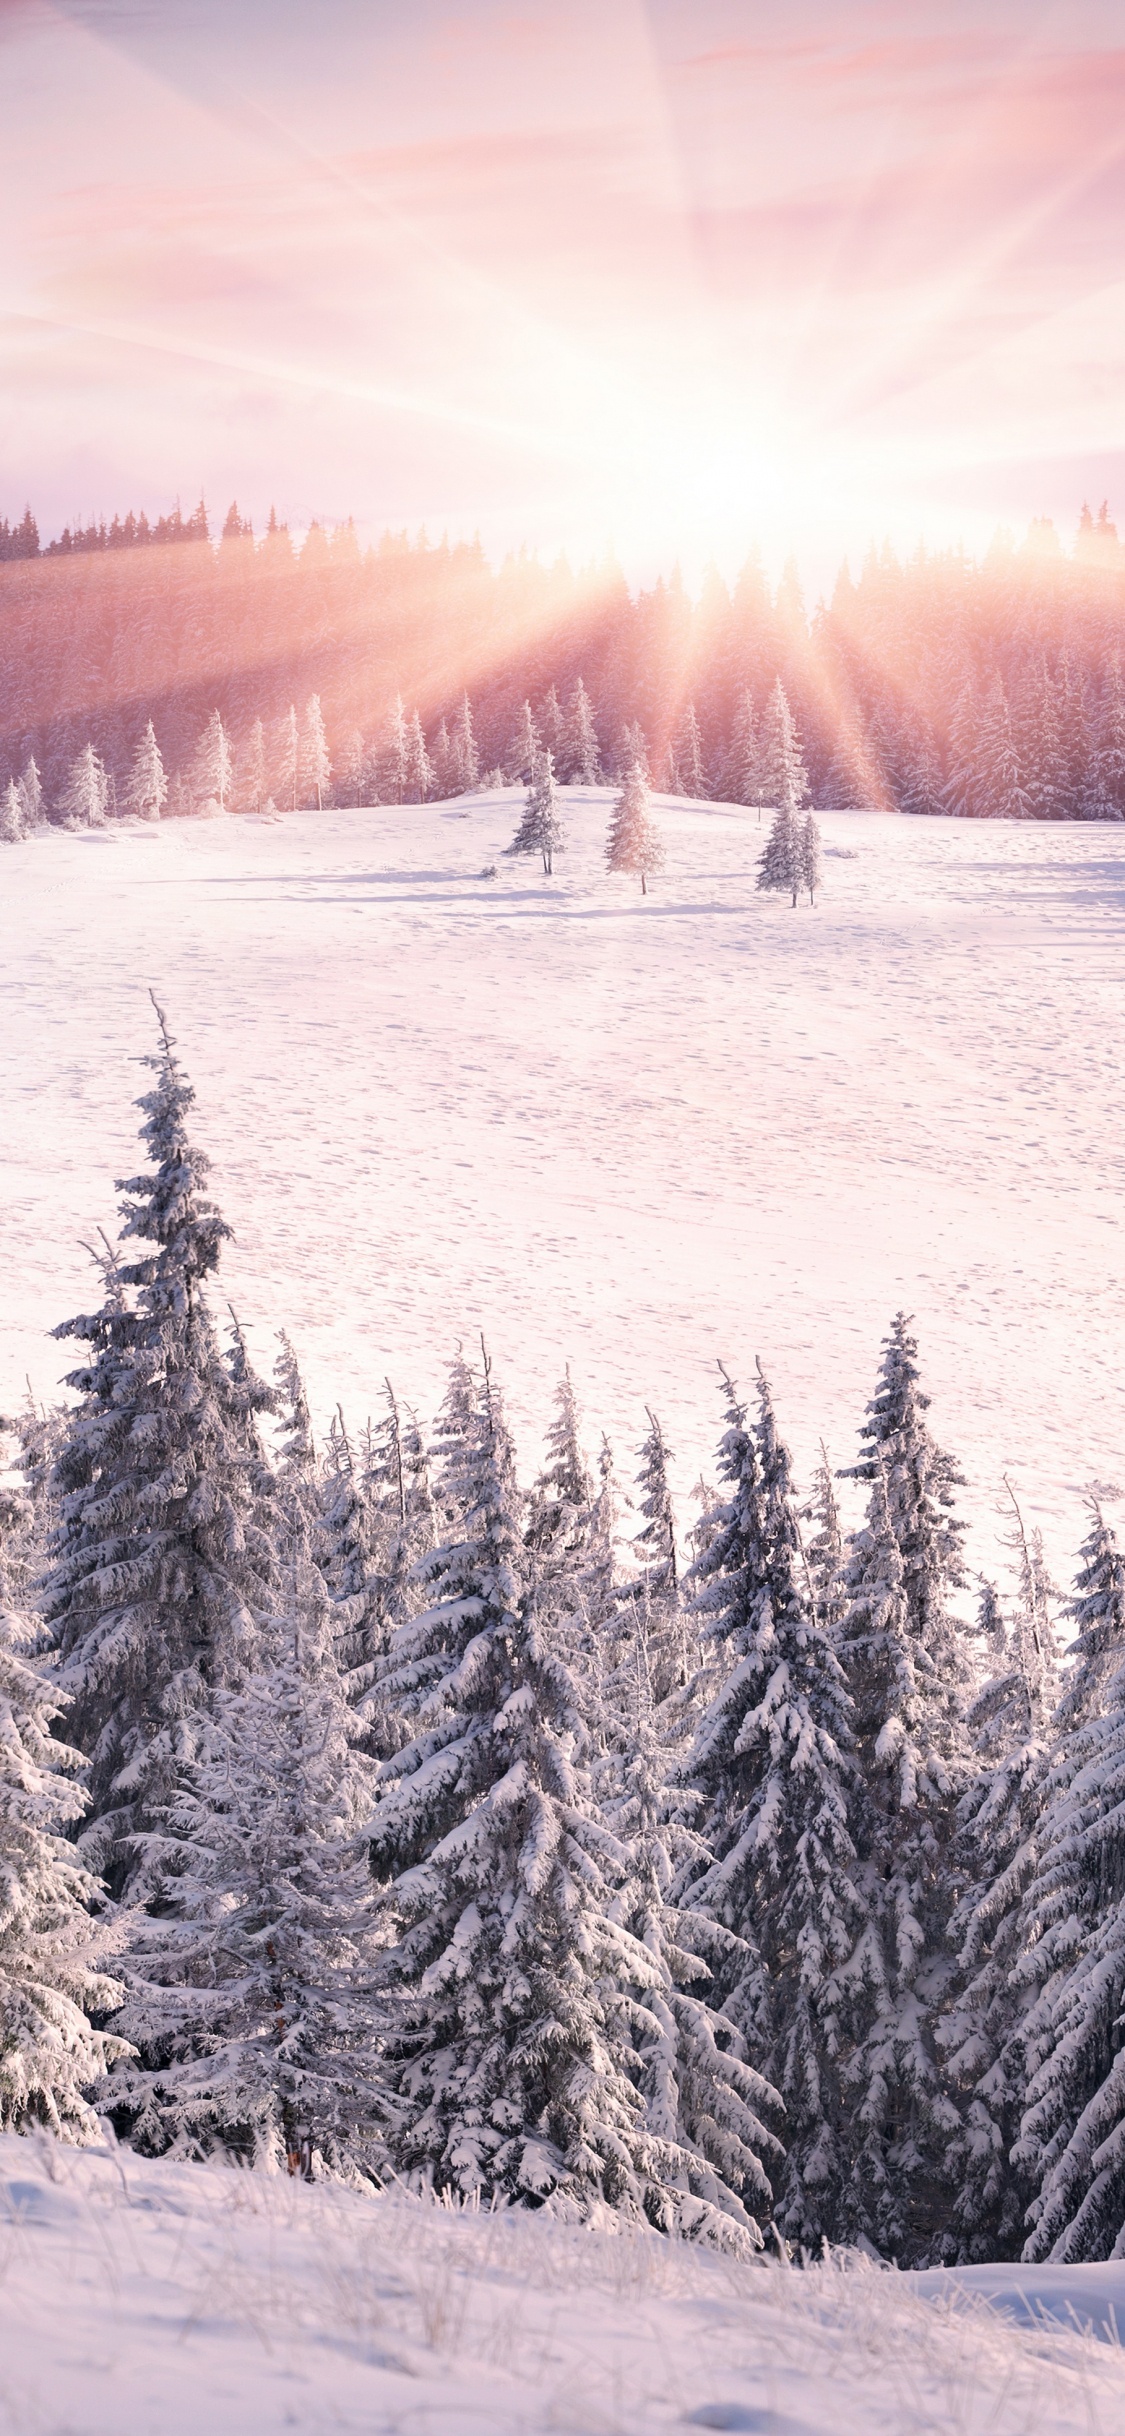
668	278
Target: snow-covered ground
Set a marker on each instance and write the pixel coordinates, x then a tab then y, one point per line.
156	2300
630	1134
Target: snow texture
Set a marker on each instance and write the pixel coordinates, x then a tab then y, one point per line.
635	1134
141	2299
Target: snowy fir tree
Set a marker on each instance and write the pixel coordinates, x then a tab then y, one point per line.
84	801
464	754
251	786
541	830
782	775
1071	2144
810	854
824	1547
634	843
773	1763
524	749
919	1480
741	778
653	1594
507	2048
998	793
160	1559
703	2101
146	790
287	760
31	793
212	770
53	1953
781	865
580	758
316	765
552	725
419	770
251	1979
686	772
11	815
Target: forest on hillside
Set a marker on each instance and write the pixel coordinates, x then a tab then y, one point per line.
937	685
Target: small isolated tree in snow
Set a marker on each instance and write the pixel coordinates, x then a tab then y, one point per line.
51	1949
781	867
31	793
146	789
84	801
634	843
541	830
811	864
213	766
316	767
11	814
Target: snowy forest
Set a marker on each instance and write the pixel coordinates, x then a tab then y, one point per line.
149	669
369	1809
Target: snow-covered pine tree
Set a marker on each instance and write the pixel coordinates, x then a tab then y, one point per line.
632	746
1071	2142
562	1499
552	725
811	861
507	2053
160	1560
213	766
782	775
666	1631
703	2102
287	759
773	1762
920	1480
84	801
250	773
524	749
781	864
634	843
824	1551
377	1523
541	830
741	781
463	750
52	1951
998	792
31	793
419	767
11	815
1010	1725
316	765
959	795
580	760
251	1979
687	774
1107	776
146	788
393	755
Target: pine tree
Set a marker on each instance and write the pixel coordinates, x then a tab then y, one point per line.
251	1980
1071	2144
84	802
772	1760
252	770
919	1480
51	1950
11	815
287	759
524	749
632	746
824	1552
159	1560
213	766
1108	761
463	750
552	726
146	790
394	756
316	766
741	779
541	830
998	794
670	1643
580	760
419	767
782	777
31	793
634	843
687	775
507	2051
810	853
781	865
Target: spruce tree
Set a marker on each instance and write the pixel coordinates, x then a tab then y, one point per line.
316	765
773	1762
634	843
741	776
1071	2142
463	750
11	815
919	1480
161	1558
580	760
251	1980
251	775
524	749
31	793
213	766
810	853
84	801
687	774
419	767
146	790
507	2051
666	1632
781	866
52	1951
540	830
783	777
287	760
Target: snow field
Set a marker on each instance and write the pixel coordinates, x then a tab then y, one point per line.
141	2299
632	1134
